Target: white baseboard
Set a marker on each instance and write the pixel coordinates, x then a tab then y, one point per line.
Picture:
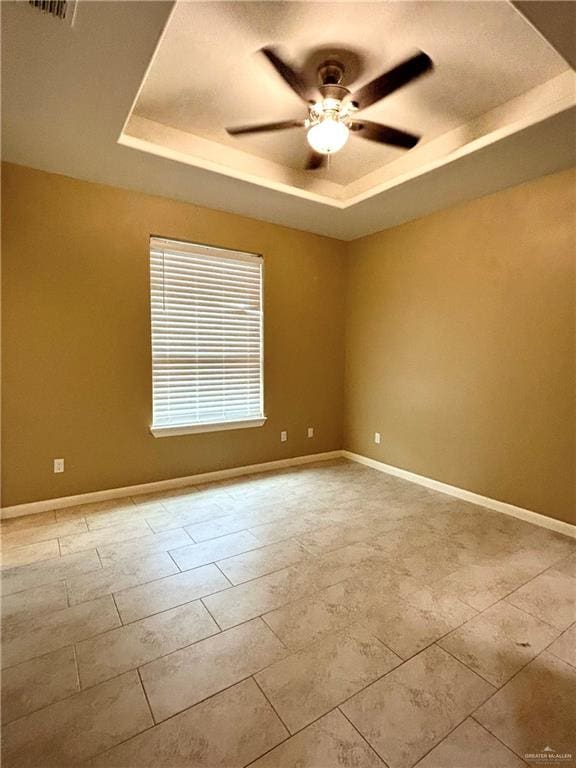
35	507
223	474
451	490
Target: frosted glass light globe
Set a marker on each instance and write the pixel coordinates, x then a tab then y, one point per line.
328	136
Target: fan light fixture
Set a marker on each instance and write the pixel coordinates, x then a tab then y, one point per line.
328	136
332	107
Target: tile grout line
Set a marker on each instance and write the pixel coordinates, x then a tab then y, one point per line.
196	599
138	584
31	562
144	663
219	691
268	751
207	542
65	645
457	629
474	672
372	682
540	573
36	658
547	648
533	616
223	574
48	583
150	661
494	736
471	714
255	578
183	523
570	664
99	558
523	584
209	612
89	760
115	676
261	575
237	682
93	573
95	546
40	527
128	624
304	597
250	528
144	691
77	669
147	538
263	692
117	613
344	701
263	617
484	610
201	701
542	652
502	599
316	719
440	741
364	739
174	574
80	690
262	545
515	675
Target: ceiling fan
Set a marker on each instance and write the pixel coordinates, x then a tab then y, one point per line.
332	107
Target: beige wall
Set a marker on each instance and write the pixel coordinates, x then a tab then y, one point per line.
459	337
461	346
76	338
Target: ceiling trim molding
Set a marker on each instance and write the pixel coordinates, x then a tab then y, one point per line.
66	118
540	103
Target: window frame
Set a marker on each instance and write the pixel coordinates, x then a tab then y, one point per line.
216	426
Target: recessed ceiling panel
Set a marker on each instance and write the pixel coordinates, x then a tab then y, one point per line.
137	94
208	74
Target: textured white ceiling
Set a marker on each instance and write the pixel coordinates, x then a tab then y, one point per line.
207	75
66	94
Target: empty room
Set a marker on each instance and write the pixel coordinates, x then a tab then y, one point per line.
288	369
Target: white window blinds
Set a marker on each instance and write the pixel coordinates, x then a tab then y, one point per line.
206	338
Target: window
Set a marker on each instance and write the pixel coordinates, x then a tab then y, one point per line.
206	338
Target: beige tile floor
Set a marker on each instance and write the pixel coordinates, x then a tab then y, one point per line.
327	616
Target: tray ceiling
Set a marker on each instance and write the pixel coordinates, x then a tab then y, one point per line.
137	95
493	72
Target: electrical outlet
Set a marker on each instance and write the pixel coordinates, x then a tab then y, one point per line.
58	465
310	431
283	437
377	438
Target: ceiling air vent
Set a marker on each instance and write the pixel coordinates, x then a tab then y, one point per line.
60	9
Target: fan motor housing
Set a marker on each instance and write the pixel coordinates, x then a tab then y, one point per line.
331	72
337	92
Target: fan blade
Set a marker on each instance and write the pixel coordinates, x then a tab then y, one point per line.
290	76
262	127
315	161
384	134
392	80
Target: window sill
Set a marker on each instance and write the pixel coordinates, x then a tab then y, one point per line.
193	429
